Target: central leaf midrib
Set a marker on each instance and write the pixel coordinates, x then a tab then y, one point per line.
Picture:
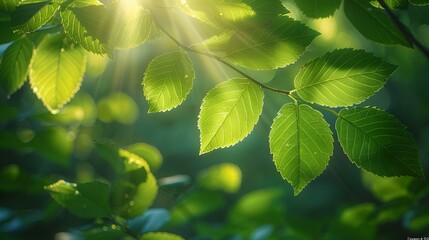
298	145
229	113
335	79
381	145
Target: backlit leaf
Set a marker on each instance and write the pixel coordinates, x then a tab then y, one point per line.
301	143
373	23
219	12
14	67
124	24
265	46
318	8
167	81
32	14
342	77
377	142
228	113
56	71
147	152
87	200
74	28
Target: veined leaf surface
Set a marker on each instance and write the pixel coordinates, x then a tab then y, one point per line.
30	15
56	71
74	28
342	77
228	113
167	81
377	142
264	46
301	143
14	66
87	200
373	23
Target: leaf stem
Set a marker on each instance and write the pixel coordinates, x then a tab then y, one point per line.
219	59
404	30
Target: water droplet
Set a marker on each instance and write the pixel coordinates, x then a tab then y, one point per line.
35	90
132	203
315	153
113	226
62	49
186	76
105	228
221	14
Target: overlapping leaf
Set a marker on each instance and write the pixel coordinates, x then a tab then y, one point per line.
123	24
160	236
264	46
167	81
14	67
318	8
342	77
30	15
87	200
219	12
373	23
378	142
74	28
229	113
301	143
56	71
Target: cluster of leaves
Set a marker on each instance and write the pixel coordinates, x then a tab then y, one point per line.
252	34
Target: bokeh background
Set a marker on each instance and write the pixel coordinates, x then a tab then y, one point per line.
37	148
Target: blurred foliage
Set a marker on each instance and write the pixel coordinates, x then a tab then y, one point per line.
227	194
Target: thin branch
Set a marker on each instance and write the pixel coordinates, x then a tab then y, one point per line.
188	49
404	30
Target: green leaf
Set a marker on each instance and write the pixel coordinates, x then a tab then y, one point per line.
136	189
14	67
86	200
8	6
74	28
265	46
419	2
301	143
124	24
387	189
147	152
118	107
167	81
228	113
219	13
225	177
32	14
342	78
160	236
318	8
373	23
56	71
391	3
377	142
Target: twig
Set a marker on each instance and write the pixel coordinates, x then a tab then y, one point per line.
404	30
188	49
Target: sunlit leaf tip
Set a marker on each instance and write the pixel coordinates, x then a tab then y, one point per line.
378	142
301	143
228	113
